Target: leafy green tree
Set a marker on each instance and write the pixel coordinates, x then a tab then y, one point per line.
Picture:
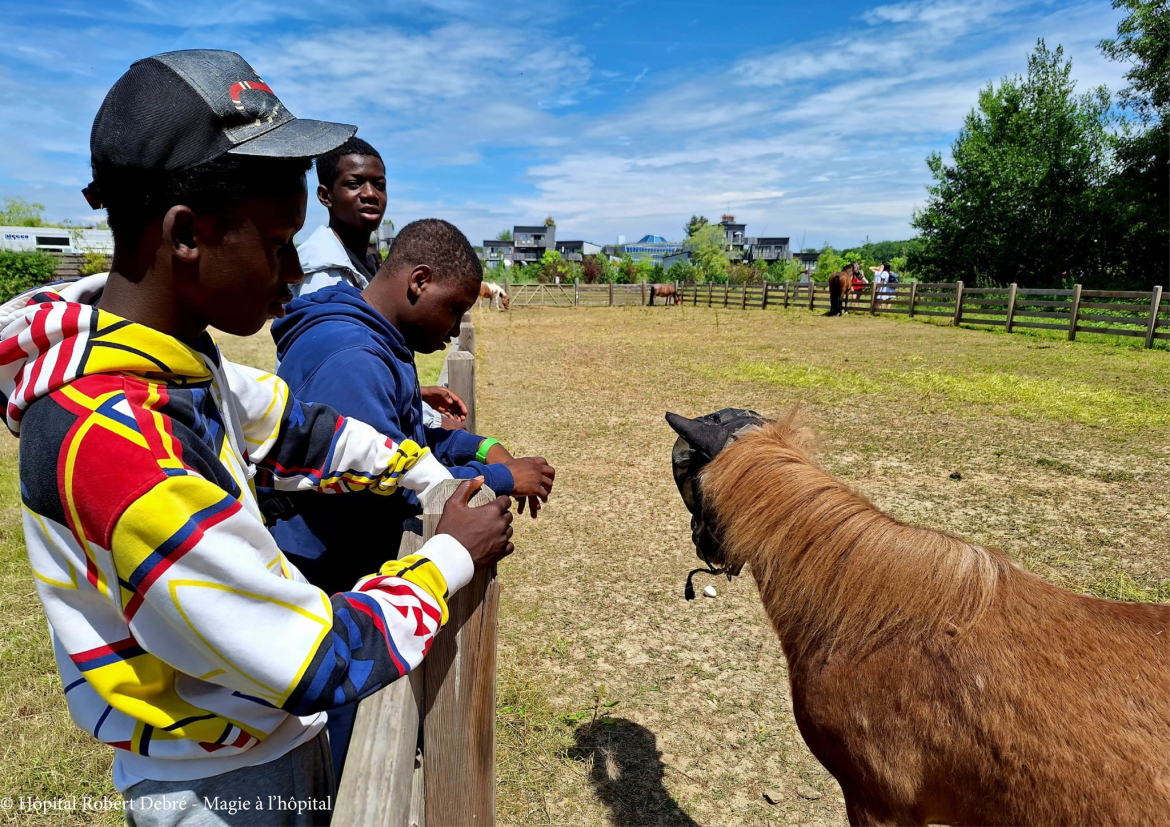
789	269
693	226
829	262
707	253
681	271
20	213
1023	199
504	235
594	269
1140	189
553	265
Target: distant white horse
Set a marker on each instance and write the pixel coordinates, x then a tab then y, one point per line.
494	294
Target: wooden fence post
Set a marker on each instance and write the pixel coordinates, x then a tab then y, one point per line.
726	292
873	294
695	290
1075	313
467	335
382	765
506	293
460	680
1155	303
576	292
1011	307
743	298
913	298
787	285
710	289
958	318
764	300
643	293
812	295
461	373
611	294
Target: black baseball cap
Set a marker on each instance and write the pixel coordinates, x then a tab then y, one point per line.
177	110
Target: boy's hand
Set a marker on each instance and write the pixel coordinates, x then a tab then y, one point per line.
450	423
532	482
445	402
485	531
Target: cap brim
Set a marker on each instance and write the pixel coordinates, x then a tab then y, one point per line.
299	138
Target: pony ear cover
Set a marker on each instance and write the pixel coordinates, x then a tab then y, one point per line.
706	437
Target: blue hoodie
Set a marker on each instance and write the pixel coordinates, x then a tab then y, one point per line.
335	349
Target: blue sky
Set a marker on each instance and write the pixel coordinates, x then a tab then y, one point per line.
804	119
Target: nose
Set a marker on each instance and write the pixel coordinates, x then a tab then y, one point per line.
368	192
290	268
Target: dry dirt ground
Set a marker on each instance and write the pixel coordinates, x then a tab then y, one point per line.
619	703
623	704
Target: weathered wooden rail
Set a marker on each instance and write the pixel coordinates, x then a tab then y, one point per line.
1111	312
423	748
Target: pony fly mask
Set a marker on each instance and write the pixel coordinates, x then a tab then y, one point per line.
699	440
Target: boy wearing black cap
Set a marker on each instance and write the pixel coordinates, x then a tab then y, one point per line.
141	448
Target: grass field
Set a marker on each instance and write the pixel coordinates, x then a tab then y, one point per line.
619	703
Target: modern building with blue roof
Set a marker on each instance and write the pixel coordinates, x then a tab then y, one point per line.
648	248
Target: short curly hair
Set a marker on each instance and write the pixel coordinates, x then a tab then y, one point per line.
437	243
327	163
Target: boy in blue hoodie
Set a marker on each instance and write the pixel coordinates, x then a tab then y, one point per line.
354	351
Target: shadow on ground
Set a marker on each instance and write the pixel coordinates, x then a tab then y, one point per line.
626	771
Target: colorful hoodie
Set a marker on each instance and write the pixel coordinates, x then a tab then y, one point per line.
184	637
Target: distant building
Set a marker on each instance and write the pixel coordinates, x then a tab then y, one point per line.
767	249
676	258
733	234
74	240
577	250
808	261
497	253
530	243
647	248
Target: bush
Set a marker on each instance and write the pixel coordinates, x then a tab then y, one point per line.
20	271
681	271
94	263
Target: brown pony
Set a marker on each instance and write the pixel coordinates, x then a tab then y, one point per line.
840	286
935	679
664	291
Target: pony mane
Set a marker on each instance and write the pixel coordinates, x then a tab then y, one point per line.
833	570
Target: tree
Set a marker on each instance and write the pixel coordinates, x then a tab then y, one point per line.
829	262
548	222
20	213
707	254
1023	200
681	271
789	269
504	235
1140	189
552	266
693	226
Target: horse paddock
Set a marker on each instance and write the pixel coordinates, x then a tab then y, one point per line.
619	702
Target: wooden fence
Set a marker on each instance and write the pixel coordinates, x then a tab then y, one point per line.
575	294
1111	312
423	748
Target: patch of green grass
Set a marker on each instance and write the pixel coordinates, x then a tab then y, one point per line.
1030	398
1057	466
1121	586
532	743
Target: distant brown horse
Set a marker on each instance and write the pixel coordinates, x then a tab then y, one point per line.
936	680
840	286
664	291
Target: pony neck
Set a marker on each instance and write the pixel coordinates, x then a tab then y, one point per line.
832	569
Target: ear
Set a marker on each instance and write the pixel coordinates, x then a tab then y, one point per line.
180	233
324	196
708	438
419	279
